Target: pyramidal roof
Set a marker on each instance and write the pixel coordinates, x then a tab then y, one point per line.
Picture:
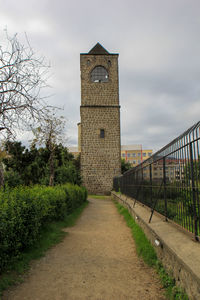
98	49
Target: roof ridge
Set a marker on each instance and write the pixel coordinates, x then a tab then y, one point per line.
98	49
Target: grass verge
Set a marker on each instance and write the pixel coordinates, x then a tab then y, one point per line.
50	235
146	251
98	197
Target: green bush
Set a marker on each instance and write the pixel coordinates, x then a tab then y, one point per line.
67	173
75	196
24	210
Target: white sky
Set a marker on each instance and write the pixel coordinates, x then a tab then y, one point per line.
158	42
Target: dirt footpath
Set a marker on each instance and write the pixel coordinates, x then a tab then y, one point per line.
96	260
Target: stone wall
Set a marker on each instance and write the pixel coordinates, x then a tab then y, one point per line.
100	157
101	93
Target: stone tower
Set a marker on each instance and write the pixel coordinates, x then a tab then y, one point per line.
100	120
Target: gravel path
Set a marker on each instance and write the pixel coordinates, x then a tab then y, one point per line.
96	260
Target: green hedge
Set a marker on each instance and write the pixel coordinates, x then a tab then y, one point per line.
24	210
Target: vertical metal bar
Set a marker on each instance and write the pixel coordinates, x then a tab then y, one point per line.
151	187
198	174
193	194
182	190
142	182
154	205
164	183
184	214
179	206
187	187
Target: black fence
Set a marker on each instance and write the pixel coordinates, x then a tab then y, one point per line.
169	181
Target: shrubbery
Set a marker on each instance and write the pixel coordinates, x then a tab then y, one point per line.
24	210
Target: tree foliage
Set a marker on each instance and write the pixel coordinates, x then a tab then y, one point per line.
196	170
50	132
125	166
31	166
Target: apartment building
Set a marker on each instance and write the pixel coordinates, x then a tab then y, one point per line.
135	154
174	169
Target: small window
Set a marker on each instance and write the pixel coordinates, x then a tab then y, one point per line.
134	154
99	74
102	133
129	155
144	154
139	154
123	155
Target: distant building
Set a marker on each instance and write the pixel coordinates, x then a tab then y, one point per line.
134	154
174	170
74	151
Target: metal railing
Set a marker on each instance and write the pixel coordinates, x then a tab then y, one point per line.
169	181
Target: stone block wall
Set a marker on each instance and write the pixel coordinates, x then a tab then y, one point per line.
100	157
101	93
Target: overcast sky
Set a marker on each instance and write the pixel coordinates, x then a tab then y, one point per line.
158	42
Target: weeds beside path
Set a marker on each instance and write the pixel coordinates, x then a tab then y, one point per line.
96	260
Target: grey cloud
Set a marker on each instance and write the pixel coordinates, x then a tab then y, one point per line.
173	84
159	46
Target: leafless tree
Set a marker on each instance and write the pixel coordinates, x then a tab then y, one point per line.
51	133
22	76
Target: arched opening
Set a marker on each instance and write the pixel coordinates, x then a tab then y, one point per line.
99	74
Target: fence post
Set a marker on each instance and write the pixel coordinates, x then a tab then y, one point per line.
164	183
193	193
142	183
150	173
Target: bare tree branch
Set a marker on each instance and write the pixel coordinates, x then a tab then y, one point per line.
22	76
